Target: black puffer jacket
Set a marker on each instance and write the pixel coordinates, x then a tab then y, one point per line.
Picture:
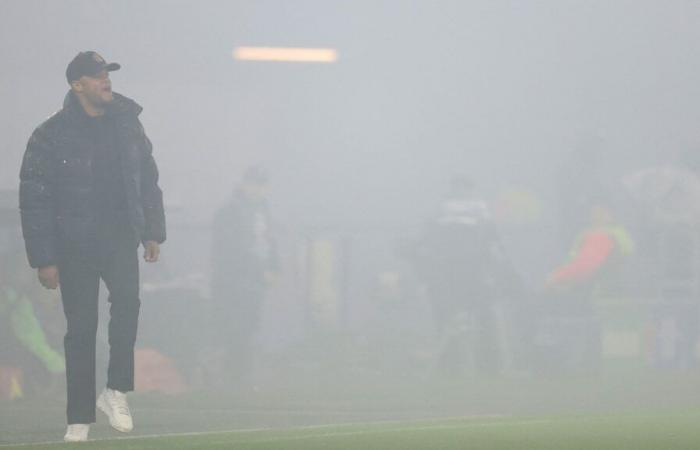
56	188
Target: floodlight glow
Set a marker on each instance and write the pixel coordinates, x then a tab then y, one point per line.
286	54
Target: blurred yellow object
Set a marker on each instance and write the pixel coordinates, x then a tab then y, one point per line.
15	389
324	283
517	206
11	383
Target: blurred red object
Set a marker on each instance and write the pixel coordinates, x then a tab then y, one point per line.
156	372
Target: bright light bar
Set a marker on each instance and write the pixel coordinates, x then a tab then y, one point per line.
282	54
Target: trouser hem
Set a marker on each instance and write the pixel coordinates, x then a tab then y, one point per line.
82	420
120	388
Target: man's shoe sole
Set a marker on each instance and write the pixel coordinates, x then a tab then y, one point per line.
102	406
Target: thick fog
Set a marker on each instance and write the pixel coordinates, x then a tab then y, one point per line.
549	108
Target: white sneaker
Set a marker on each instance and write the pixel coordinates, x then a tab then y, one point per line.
77	432
113	403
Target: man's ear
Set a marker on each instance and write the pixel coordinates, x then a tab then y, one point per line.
76	85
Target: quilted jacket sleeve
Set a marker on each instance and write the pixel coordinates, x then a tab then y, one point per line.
35	201
152	196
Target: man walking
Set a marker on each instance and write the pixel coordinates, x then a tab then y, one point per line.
88	195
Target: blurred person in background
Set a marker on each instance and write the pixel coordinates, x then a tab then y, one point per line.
569	329
88	196
460	257
667	201
596	251
244	264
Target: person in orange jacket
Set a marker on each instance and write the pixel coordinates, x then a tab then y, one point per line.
568	330
596	249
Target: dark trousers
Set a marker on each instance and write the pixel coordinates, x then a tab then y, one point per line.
117	264
237	314
465	320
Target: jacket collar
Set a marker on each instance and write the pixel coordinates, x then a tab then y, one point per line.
121	105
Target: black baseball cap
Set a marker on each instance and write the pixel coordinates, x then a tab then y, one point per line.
88	64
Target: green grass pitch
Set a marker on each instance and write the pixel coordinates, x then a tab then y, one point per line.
671	431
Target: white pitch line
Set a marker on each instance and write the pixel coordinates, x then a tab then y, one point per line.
394	430
272	412
404	428
276	412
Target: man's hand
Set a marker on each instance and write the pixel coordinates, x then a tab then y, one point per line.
48	276
151	251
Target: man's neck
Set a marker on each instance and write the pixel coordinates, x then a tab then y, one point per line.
90	109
